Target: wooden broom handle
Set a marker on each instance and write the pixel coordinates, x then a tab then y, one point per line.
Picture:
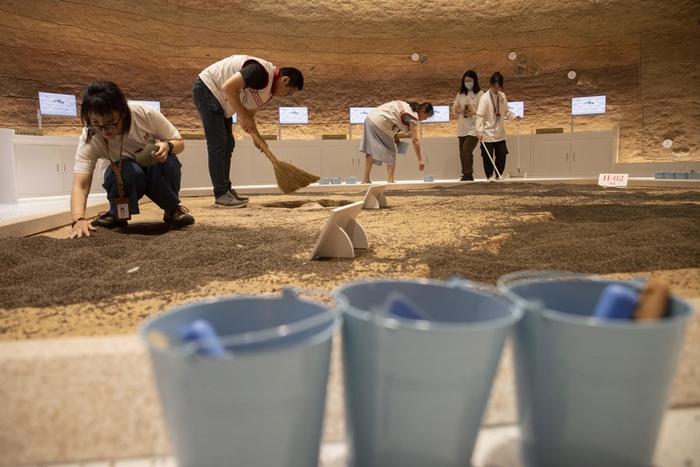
261	142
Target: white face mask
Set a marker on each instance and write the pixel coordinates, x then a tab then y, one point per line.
469	85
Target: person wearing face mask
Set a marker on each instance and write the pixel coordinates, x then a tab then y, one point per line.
381	134
123	134
492	110
239	84
464	107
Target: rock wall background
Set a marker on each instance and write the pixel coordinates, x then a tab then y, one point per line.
642	54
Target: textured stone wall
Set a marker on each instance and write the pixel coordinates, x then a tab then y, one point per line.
642	54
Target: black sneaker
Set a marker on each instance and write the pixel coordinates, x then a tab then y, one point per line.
466	178
178	217
237	196
227	200
108	221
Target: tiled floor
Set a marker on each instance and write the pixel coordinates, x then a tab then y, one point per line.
498	447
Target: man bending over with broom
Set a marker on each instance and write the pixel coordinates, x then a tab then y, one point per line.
238	84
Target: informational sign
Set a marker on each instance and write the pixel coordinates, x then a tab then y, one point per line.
441	114
517	107
591	105
235	118
57	104
153	104
294	115
359	114
613	180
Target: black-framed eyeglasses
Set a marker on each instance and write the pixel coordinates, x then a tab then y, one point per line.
106	128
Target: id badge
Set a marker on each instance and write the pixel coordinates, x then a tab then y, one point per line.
123	212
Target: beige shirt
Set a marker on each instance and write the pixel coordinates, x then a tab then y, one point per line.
487	124
147	125
466	125
394	117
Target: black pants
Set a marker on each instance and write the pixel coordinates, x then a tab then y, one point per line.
466	154
219	136
501	152
160	182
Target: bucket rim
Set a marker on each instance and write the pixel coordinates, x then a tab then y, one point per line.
506	282
328	315
515	312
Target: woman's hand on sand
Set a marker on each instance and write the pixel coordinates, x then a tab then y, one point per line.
162	153
81	228
421	166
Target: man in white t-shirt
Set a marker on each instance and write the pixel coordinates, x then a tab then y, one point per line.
238	84
123	134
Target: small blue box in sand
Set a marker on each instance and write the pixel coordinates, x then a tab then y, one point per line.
336	181
324	181
428	178
351	180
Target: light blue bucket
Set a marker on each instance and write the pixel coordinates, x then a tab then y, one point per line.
590	392
262	403
416	390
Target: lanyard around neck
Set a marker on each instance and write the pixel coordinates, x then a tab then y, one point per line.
117	168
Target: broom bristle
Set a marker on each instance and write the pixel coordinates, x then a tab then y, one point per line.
290	178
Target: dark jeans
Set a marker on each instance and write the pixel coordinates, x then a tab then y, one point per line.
501	153
466	154
160	182
219	136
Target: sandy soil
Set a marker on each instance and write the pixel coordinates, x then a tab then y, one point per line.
51	286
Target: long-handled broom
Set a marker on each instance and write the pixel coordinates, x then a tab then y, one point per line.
289	178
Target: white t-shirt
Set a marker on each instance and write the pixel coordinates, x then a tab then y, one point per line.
394	117
147	125
486	122
215	75
466	126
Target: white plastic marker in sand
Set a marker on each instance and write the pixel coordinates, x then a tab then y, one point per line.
374	198
341	234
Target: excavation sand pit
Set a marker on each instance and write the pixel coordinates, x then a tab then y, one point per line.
56	287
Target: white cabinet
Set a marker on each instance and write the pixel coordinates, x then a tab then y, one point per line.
590	156
585	154
551	156
39	169
441	157
341	159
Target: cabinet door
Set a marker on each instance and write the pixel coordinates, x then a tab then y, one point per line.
195	165
39	170
339	159
406	168
442	159
519	154
67	164
590	157
551	157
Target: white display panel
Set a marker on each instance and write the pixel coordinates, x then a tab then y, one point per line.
294	115
359	114
153	104
57	104
591	105
441	114
235	118
517	107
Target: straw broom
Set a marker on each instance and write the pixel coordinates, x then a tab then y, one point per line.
289	178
